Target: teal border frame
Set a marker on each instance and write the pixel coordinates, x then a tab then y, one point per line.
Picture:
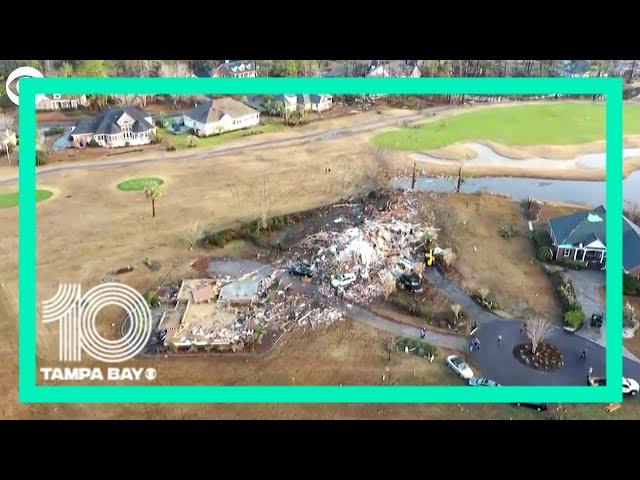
29	391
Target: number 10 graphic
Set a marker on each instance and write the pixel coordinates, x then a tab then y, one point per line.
77	317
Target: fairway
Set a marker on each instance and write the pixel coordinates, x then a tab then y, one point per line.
138	183
11	199
566	123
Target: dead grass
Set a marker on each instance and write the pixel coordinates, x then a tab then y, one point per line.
485	260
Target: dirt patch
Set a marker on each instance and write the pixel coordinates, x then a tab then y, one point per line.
506	267
559	152
455	152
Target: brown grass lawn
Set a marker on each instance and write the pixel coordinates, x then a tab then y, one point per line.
486	260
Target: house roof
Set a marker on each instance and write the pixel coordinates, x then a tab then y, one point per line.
580	227
585	227
107	121
234	67
630	245
213	110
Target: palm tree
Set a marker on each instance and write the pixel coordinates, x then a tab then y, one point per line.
153	192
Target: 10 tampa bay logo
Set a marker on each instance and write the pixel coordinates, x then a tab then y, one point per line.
78	334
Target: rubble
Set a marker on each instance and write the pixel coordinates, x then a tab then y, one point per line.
381	246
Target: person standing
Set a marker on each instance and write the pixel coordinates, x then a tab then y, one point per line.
499	339
423	332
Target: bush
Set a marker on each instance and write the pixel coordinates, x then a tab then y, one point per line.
156	139
485	299
171	148
508	231
151	297
574	318
54	131
41	157
221	238
416	346
541	238
93	143
573	264
192	141
544	253
630	285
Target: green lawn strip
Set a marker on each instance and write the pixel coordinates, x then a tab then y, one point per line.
565	123
180	141
8	200
135	184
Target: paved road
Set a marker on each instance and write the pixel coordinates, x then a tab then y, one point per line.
205	153
497	361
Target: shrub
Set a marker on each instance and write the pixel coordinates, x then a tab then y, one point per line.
628	315
484	299
192	141
221	238
171	148
544	253
574	318
41	157
573	264
93	143
151	297
630	285
508	231
541	238
54	131
416	346
156	139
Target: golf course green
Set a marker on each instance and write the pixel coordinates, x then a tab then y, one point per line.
562	123
8	200
135	184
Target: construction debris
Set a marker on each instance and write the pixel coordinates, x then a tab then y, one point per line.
381	246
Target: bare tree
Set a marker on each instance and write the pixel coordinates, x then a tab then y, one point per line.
456	309
194	233
537	329
174	69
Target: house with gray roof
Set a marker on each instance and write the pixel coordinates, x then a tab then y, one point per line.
221	115
582	236
235	69
60	102
115	127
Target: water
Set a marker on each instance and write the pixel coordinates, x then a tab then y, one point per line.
567	191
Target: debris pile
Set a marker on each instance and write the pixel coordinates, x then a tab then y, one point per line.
381	246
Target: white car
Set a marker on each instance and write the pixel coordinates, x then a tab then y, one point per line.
458	365
343	279
482	382
630	386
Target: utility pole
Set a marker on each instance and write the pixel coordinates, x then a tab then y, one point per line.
459	179
413	176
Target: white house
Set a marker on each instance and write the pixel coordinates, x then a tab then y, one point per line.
237	69
119	127
61	102
305	102
320	103
221	115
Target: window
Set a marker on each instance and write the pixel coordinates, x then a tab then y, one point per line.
567	252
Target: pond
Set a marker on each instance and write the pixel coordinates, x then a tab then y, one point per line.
569	191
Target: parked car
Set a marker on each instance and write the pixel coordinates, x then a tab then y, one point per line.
458	365
629	385
540	407
410	281
482	382
343	279
301	270
596	320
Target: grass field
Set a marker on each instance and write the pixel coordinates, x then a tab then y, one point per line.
11	199
135	184
181	141
565	123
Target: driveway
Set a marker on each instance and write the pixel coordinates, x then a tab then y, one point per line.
586	284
